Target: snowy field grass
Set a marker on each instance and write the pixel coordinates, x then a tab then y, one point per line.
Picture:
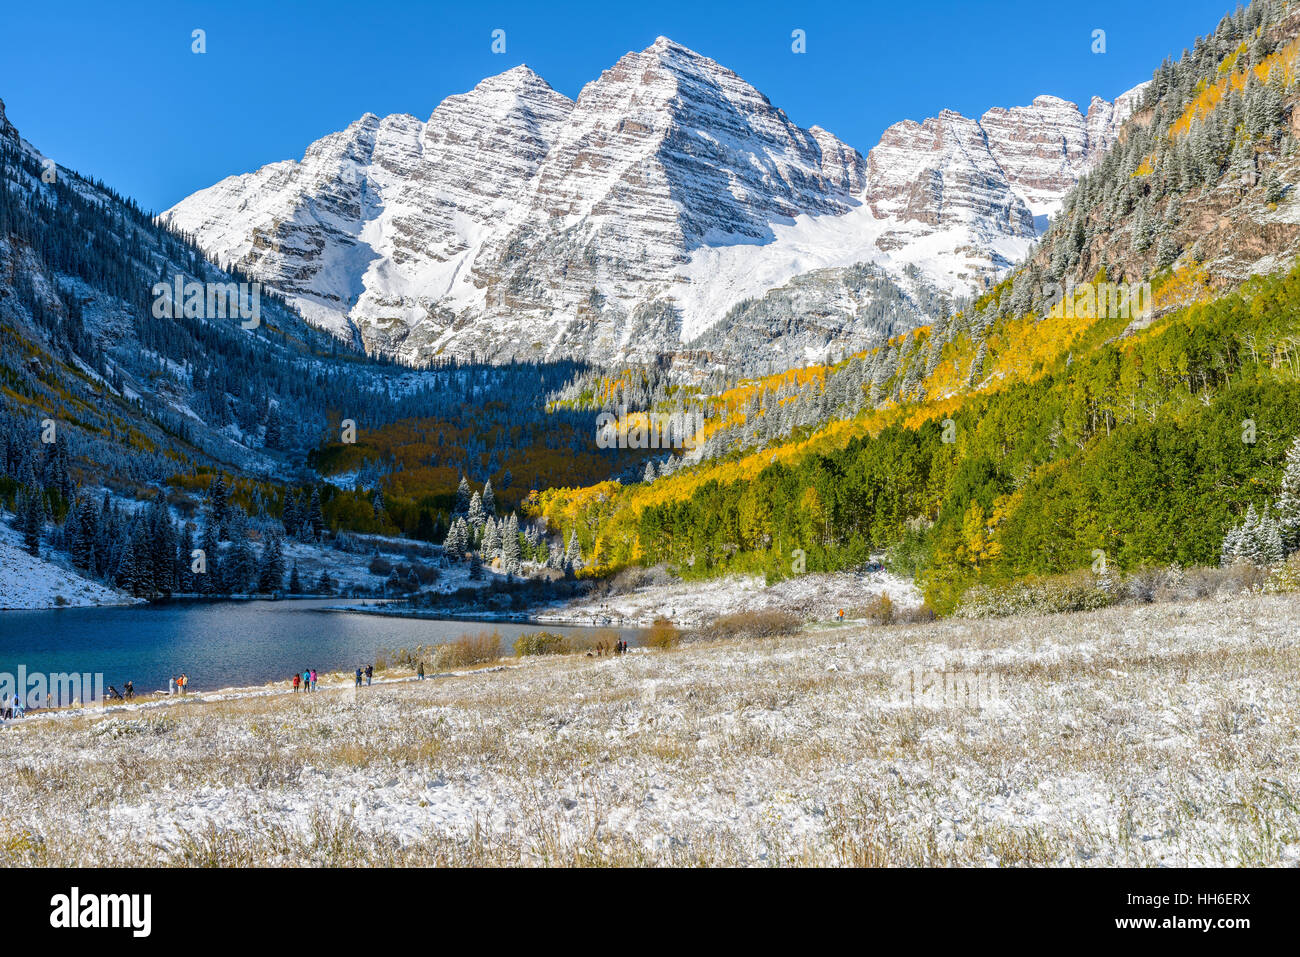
1151	735
688	603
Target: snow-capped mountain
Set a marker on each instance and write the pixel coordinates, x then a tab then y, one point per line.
632	221
1043	148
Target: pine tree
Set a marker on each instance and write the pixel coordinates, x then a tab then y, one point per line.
1229	550
33	522
1166	251
573	552
185	577
489	500
140	565
289	518
295	583
510	552
271	574
458	541
314	524
274	438
475	514
1270	548
218	504
1248	543
210	581
240	568
491	540
1273	188
462	498
83	536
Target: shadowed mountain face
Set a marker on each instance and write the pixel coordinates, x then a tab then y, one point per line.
630	223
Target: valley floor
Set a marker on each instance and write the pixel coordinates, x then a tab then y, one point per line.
1154	735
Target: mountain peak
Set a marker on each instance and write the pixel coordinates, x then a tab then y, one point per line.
517	76
666	45
1054	102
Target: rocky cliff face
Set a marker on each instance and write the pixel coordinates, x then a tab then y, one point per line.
953	169
518	223
943	173
666	152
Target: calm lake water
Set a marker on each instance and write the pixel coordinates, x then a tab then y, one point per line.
220	644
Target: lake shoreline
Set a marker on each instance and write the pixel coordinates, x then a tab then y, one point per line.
333	682
518	618
232	644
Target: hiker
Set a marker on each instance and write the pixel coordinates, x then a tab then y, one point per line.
171	685
183	682
370	673
419	671
841	614
297	679
624	647
313	679
128	690
306	680
358	676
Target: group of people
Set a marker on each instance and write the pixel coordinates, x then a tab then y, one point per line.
12	708
305	680
180	683
618	647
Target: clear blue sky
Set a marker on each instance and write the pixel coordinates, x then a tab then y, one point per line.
113	90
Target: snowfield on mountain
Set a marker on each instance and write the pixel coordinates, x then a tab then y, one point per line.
1158	735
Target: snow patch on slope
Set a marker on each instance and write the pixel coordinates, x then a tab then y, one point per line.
29	582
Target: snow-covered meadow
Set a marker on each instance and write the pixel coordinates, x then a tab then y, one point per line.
1162	734
814	596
